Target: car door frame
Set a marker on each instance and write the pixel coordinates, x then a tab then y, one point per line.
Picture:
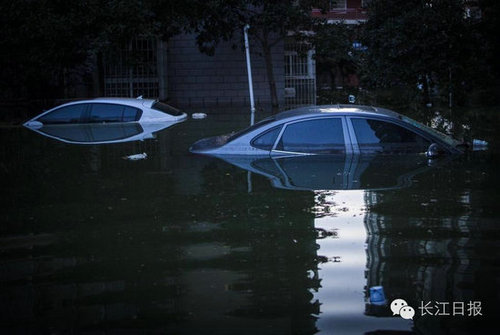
347	137
354	139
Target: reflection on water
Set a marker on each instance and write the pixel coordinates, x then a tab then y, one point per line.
337	172
101	133
187	244
343	276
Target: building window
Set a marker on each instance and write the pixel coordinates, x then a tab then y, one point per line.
297	64
365	3
133	70
338	4
300	74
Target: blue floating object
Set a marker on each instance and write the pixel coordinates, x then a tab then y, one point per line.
377	296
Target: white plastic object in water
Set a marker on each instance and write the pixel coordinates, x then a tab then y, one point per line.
136	157
199	115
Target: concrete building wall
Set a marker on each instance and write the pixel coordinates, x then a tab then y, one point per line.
196	79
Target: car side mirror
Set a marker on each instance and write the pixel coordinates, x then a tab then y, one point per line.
434	151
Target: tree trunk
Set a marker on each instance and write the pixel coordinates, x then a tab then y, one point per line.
270	74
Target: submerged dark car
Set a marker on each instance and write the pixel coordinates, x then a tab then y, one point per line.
335	129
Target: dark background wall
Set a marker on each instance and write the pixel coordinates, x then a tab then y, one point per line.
196	79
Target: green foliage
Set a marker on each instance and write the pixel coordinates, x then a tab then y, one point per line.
221	19
334	41
270	23
335	53
427	42
39	39
47	43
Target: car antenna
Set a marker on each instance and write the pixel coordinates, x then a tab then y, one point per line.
139	97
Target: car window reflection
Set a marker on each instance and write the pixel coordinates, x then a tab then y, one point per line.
335	172
98	133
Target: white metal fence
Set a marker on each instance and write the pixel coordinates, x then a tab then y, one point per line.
300	74
132	70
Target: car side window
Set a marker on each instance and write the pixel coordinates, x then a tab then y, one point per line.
385	137
319	136
266	140
106	113
131	114
63	115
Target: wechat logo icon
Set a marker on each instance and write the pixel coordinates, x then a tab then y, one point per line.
401	308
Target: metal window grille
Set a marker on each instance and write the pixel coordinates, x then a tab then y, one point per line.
300	74
365	3
338	4
132	70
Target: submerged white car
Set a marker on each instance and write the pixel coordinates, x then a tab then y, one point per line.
108	110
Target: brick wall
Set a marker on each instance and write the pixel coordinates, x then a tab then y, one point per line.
196	79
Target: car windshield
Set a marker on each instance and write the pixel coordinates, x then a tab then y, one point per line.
251	128
443	137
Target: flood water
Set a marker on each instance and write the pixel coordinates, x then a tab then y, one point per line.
93	242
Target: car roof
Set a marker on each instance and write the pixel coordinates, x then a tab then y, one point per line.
136	102
337	109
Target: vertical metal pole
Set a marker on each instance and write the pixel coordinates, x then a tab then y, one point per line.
249	181
162	68
249	70
130	72
450	92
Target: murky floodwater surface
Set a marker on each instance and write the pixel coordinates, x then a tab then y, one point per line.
143	236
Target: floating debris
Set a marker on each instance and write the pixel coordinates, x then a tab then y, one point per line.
136	157
323	233
199	115
377	295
